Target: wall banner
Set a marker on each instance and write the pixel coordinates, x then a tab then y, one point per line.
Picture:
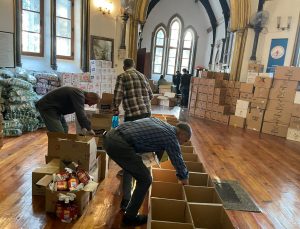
277	53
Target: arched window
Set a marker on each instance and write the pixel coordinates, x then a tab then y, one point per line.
175	31
159	50
187	50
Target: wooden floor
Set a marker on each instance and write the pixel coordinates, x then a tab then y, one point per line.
267	167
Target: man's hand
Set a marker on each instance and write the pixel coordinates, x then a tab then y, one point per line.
85	132
184	182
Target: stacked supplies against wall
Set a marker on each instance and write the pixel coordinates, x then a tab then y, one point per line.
46	82
20	113
294	127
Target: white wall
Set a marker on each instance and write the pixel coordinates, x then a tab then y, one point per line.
193	14
108	26
275	8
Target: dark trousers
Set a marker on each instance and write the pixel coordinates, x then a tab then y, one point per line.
54	122
184	96
126	157
127	178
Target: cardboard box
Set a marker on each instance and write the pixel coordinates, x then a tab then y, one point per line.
254	119
255	67
278	104
167	190
81	150
287	73
187	149
295	123
220	92
166	225
246	96
167	102
284	94
101	122
209	106
225	119
191	166
39	173
106	101
219	100
103	160
293	134
82	197
231	84
264	82
190	157
210	98
278	116
209	216
237	84
237	121
207	114
167	175
296	110
259	103
201	194
261	92
224	83
251	77
297	98
292	85
160	210
199	113
165	88
247	88
275	129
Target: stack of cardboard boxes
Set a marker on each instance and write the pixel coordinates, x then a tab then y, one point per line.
62	150
196	205
213	98
294	127
280	104
242	108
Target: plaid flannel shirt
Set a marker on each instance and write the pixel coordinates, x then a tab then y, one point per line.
154	135
133	89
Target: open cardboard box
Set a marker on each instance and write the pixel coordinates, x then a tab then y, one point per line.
187	149
209	216
191	166
201	194
103	159
166	175
82	197
81	150
40	172
190	157
176	211
167	190
169	225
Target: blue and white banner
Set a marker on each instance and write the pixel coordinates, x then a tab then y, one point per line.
277	53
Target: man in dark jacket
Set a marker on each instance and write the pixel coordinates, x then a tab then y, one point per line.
126	143
66	100
185	87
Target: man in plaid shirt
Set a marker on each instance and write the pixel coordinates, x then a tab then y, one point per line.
125	144
133	90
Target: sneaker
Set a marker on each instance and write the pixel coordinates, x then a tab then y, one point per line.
134	221
124	204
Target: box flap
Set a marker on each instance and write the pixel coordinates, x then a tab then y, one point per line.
91	186
45	181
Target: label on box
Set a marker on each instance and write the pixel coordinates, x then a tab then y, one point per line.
241	112
242	104
293	134
295	123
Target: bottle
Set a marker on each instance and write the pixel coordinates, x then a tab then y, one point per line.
115	121
72	183
59	206
82	175
67	211
74	208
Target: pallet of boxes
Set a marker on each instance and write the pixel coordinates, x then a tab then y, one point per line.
70	177
196	205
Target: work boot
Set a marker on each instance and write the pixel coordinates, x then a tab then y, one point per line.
135	220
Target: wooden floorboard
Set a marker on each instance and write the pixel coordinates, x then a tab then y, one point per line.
267	167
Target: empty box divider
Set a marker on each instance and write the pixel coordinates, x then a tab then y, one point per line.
194	166
164	175
187	149
169	225
176	211
209	216
167	190
198	179
198	194
190	157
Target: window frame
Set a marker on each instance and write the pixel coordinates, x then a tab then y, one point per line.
71	57
41	53
191	49
160	28
169	47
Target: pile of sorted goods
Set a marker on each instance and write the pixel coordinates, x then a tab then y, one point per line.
20	114
46	82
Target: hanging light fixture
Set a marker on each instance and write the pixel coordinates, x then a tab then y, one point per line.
104	6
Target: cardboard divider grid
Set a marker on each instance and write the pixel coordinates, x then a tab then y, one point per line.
201	194
190	157
167	190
